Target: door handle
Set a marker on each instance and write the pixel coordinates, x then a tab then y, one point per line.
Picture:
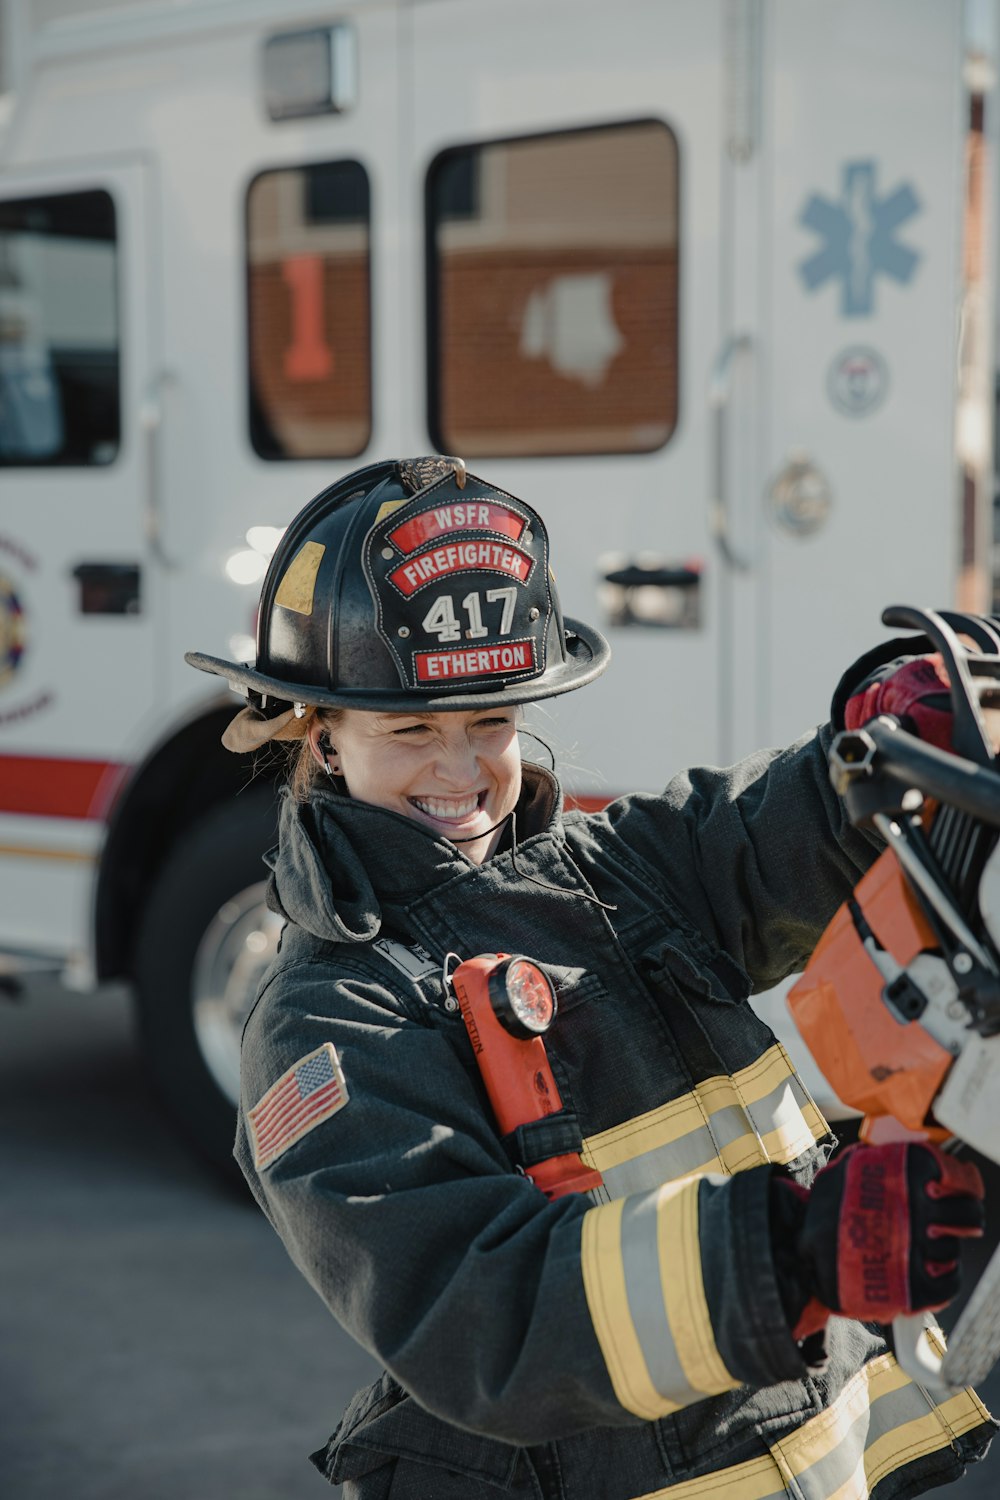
151	422
720	387
635	575
650	591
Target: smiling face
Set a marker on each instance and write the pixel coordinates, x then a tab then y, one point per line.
457	774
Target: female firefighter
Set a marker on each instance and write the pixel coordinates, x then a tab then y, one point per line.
694	1324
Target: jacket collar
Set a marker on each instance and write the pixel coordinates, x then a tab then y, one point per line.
339	862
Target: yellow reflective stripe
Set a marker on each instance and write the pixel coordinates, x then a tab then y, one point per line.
757	1479
854	1488
684	1289
742	1153
789	1141
784	1470
650	1314
821	1434
757	1079
607	1300
671	1123
924	1435
658	1127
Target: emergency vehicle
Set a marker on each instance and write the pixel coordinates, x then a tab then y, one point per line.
709	282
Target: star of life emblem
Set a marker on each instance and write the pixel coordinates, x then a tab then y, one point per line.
858	231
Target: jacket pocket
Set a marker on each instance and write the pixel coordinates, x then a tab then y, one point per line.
383	1423
697	969
573	985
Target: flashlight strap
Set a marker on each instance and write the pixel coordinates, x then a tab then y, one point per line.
537	1140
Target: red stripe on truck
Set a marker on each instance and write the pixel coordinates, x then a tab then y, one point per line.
45	787
586	803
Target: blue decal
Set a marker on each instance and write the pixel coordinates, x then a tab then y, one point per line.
859	238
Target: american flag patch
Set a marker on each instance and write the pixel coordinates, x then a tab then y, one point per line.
310	1092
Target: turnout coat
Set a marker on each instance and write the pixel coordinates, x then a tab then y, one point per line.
622	1344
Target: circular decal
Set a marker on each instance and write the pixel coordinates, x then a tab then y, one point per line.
11	630
857	381
801	499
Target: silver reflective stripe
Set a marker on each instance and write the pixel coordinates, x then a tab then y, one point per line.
762	1113
826	1476
782	1109
641	1261
680	1158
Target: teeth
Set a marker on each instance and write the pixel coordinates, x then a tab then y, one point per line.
437	807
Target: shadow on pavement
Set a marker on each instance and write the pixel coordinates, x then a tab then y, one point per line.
154	1339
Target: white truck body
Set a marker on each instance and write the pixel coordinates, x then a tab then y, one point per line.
808	191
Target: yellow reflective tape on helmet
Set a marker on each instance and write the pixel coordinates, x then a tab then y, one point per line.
297	587
388	507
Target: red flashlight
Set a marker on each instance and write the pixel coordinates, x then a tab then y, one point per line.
507	1003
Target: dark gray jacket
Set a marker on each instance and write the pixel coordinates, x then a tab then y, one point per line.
613	1345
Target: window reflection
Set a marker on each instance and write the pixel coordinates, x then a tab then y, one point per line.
554	293
59	360
309	322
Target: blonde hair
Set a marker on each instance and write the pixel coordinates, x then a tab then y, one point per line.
305	772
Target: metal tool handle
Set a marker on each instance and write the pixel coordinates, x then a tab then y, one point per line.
719	391
969	736
916	1354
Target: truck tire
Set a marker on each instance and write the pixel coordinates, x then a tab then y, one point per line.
205	940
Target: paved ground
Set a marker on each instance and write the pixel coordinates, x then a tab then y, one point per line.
155	1344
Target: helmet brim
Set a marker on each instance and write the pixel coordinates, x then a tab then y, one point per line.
587	655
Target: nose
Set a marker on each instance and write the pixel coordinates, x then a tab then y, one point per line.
456	765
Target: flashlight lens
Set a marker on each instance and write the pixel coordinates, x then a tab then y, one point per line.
530	995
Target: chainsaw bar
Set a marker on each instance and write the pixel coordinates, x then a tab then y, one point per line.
974	1344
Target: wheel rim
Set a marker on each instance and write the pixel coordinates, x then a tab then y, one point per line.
238	946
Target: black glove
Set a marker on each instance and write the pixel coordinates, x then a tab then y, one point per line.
878	1235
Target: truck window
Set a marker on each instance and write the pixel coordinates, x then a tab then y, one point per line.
309	311
553	293
59	362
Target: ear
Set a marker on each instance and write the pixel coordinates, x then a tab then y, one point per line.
315	734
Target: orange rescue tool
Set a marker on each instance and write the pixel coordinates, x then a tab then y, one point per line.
850	1007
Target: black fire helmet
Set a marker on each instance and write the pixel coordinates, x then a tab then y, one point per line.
412	586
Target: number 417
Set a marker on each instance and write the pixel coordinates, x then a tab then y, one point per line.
442	621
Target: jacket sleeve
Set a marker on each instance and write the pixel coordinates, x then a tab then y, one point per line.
498	1310
758	855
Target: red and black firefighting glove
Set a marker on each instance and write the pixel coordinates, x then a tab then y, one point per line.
878	1235
915	691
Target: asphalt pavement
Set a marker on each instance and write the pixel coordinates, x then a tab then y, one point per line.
155	1342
